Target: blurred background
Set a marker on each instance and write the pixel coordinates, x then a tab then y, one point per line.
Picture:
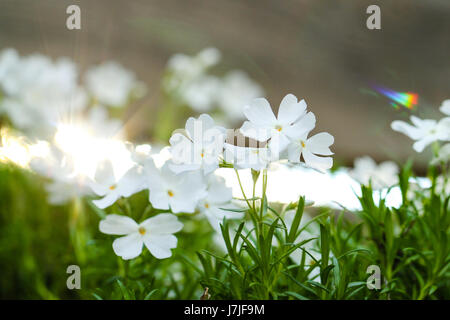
319	50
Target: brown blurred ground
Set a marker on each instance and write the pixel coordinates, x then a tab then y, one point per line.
319	50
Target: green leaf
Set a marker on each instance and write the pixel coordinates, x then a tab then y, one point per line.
297	219
295	295
150	294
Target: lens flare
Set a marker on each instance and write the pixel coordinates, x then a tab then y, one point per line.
84	149
87	150
406	99
15	149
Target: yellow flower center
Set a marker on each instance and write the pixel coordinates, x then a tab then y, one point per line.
303	143
206	205
113	187
170	193
279	128
142	230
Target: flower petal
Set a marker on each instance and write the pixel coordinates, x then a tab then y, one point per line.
421	144
160	245
196	127
278	143
107	200
260	113
320	163
132	182
291	109
294	152
218	192
250	130
99	189
302	127
319	144
118	225
406	129
159	199
128	247
164	223
104	173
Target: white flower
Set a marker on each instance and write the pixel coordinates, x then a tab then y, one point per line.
186	68
443	156
263	124
218	196
381	176
424	131
310	147
236	91
201	94
445	107
156	233
198	147
179	193
38	92
111	189
110	83
18	75
140	153
248	157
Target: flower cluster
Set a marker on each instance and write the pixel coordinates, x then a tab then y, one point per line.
70	121
39	93
188	78
186	182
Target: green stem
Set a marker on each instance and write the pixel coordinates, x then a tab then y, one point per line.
263	197
251	211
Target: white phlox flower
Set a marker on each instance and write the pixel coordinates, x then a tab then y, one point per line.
424	131
106	185
198	146
262	124
313	148
39	92
185	69
380	176
155	233
218	197
177	192
111	83
201	94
